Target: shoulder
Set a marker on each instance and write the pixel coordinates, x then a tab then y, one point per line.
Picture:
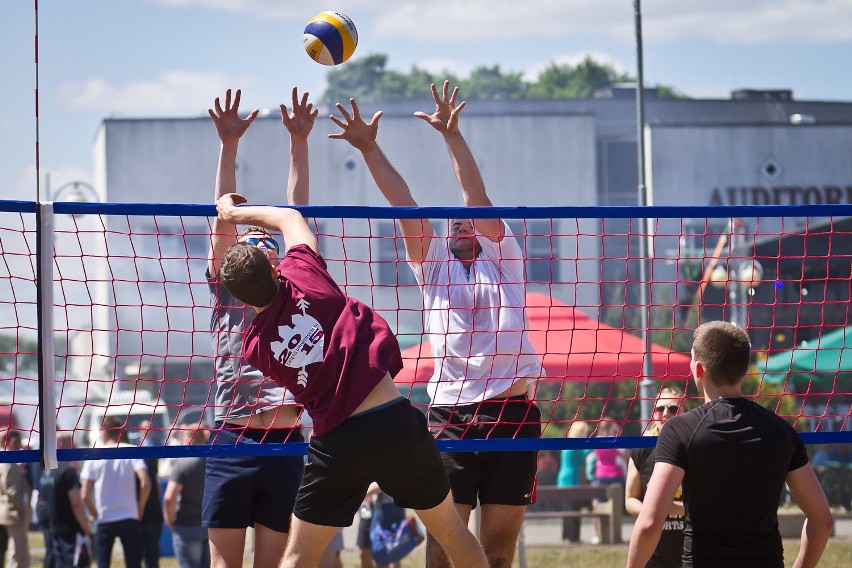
304	253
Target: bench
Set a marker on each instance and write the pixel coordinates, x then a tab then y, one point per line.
553	503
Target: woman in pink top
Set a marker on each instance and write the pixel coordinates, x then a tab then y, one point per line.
610	463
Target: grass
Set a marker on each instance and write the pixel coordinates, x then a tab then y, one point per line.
838	554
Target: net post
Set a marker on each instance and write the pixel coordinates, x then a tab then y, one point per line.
44	310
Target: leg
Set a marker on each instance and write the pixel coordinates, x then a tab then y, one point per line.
366	558
269	546
435	555
449	529
49	557
308	544
501	525
130	534
20	557
151	544
189	546
104	539
226	547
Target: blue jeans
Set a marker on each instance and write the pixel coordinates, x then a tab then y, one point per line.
191	547
128	532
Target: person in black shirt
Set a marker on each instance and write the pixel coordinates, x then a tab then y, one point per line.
732	457
639	468
62	506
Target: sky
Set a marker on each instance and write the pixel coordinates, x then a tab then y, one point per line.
171	58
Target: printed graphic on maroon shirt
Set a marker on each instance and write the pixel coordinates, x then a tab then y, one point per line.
301	343
327	349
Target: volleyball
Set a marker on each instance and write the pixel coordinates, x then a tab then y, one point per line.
330	38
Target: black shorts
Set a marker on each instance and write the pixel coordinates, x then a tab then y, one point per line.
391	446
491	478
240	491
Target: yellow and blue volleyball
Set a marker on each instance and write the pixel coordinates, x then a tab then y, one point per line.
330	38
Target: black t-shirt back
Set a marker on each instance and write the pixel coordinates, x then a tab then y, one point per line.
54	486
736	455
669	551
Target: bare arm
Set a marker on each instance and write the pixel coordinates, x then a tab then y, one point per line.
445	120
299	122
144	489
230	128
417	233
288	221
87	492
649	525
633	490
170	501
809	496
77	509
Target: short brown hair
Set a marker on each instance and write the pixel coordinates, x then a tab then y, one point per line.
724	350
111	427
246	274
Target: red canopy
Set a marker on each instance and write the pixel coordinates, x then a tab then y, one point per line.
572	347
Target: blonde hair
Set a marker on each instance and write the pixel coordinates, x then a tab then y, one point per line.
579	429
668	392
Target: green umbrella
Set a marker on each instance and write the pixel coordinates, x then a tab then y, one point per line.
824	361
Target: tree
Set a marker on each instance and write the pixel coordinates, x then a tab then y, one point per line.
489	83
368	80
563	81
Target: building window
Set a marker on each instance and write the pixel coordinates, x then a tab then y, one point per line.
393	268
540	248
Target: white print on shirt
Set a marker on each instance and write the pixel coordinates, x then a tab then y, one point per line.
302	343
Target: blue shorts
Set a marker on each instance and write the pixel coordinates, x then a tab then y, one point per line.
241	491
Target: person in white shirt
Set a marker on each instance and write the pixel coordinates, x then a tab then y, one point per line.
110	496
474	294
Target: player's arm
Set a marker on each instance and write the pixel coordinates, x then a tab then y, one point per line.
649	524
445	120
809	496
77	509
633	490
288	221
298	121
170	502
417	233
230	128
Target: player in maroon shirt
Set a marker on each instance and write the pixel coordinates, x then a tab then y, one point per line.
338	358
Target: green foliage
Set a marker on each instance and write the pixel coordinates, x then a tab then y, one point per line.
367	79
18	354
563	81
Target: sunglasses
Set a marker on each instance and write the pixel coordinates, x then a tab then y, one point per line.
671	408
265	242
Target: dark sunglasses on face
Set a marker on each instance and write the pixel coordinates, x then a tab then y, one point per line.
265	242
671	408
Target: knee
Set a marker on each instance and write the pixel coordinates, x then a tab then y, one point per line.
500	554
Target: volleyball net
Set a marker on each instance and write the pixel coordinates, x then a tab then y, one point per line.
612	297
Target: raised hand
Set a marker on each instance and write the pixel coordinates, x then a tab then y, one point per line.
445	119
362	135
300	120
229	125
226	204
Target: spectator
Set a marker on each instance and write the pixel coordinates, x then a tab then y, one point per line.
15	492
639	469
62	515
151	523
572	472
548	468
182	505
610	465
391	514
109	494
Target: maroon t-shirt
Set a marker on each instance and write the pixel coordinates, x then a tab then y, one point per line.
329	350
